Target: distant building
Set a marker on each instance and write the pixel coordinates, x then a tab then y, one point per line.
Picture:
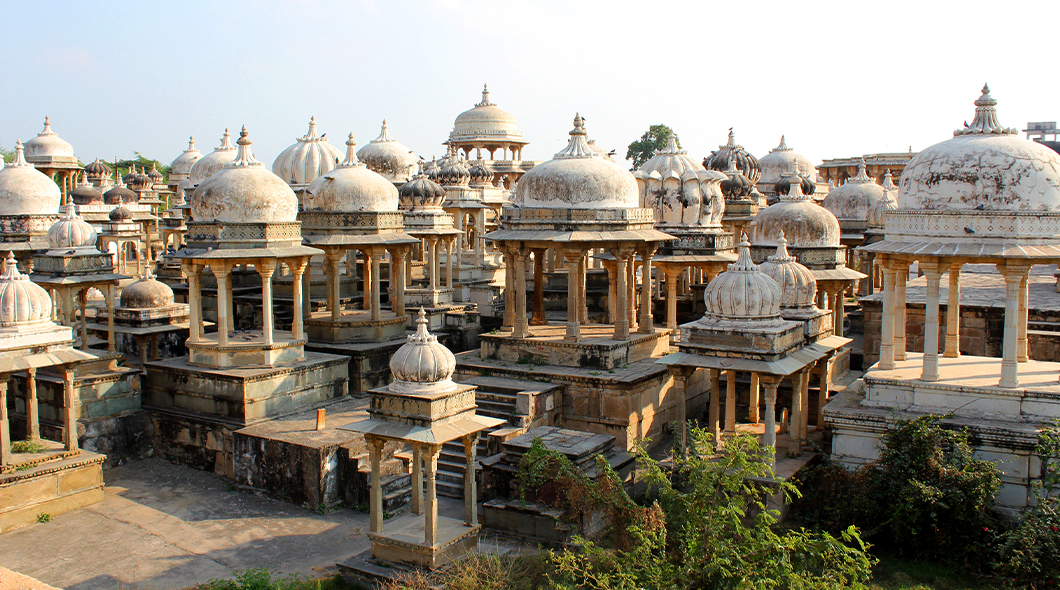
837	171
1045	133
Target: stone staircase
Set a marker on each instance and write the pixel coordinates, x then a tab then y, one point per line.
494	401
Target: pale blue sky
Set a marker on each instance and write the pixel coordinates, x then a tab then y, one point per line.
838	78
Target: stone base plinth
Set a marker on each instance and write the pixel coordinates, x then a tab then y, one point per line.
52	486
354	327
245	349
428	297
402	541
596	350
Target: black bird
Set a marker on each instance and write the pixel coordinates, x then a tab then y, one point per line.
969	230
980	207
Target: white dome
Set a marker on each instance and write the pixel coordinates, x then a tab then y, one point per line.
308	158
388	157
350	187
213	162
680	189
71	231
779	161
244	192
796	217
21	300
24	190
181	167
984	167
421	193
853	200
887	202
742	292
48	146
798	286
577	178
486	121
146	293
422	365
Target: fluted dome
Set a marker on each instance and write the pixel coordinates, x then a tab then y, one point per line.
351	186
71	231
48	147
984	167
745	160
778	163
155	176
454	171
244	191
120	213
485	121
310	157
21	300
743	292
120	194
213	162
481	175
783	186
182	165
136	180
886	203
736	186
798	286
421	193
146	293
388	157
85	193
680	189
97	169
422	365
854	199
796	217
24	190
577	178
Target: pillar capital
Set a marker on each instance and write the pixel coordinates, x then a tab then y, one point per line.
622	252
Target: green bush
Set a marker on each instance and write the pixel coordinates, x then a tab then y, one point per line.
263	579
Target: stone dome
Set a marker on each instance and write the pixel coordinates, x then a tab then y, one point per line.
97	169
120	213
798	218
350	187
71	231
432	169
778	162
24	190
745	160
886	203
120	194
421	193
181	166
136	180
680	189
798	285
485	121
310	157
984	167
853	200
244	191
388	157
454	172
783	186
743	292
146	293
736	186
21	300
85	193
155	176
481	175
422	365
49	147
577	178
213	162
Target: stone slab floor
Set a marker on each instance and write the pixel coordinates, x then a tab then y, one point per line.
163	526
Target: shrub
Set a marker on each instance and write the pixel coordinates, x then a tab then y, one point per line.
27	446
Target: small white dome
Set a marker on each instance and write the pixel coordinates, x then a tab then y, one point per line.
422	365
485	121
886	203
577	178
310	157
680	189
244	191
853	200
798	286
743	292
388	157
181	167
21	300
778	162
24	190
213	162
797	217
350	187
146	293
71	231
48	146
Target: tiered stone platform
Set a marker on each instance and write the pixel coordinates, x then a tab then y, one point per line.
51	483
596	350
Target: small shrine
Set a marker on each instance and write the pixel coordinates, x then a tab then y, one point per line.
29	205
53	156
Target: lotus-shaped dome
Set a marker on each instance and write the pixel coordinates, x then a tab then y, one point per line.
310	157
454	173
422	365
421	193
577	178
155	176
181	167
798	286
743	292
213	162
22	301
24	190
146	293
783	186
485	120
886	203
745	160
120	194
388	157
796	217
778	163
984	167
481	175
244	191
853	200
71	231
350	187
85	193
97	169
680	189
48	147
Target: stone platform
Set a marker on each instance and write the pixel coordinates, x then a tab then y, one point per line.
596	350
355	326
369	362
402	541
50	483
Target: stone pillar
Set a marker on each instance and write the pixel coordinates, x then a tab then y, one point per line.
681	375
334	298
297	268
730	402
1013	277
631	291
82	297
375	491
583	310
612	289
1021	340
434	263
887	320
470	487
825	382
417	479
377	303
715	405
397	260
369	280
538	318
671	302
933	274
622	255
449	250
108	294
430	526
804	424
839	312
5	429
32	414
307	305
647	322
899	310
221	274
795	424
520	328
509	286
573	258
953	313
266	268
754	400
769	440
194	301
69	410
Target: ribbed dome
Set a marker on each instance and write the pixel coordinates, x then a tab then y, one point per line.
155	176
783	186
481	175
454	173
778	162
388	157
743	292
736	186
21	300
48	146
136	180
97	169
886	203
350	187
854	199
244	192
71	231
24	190
745	160
432	169
422	365
181	167
797	217
85	193
671	158
308	158
120	194
120	213
421	193
485	121
577	178
984	167
798	286
213	162
680	189
146	293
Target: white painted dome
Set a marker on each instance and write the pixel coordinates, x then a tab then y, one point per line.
212	163
853	200
21	300
778	162
71	231
48	147
743	292
680	189
182	165
485	121
244	191
146	293
887	203
577	178
310	157
350	187
984	167
422	365
388	157
798	218
798	286
24	190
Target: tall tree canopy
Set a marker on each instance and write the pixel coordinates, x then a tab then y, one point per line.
643	149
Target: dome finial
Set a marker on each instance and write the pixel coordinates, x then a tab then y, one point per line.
485	97
743	258
985	121
862	176
10	271
384	134
351	154
577	147
311	135
244	157
47	127
888	183
783	147
226	142
671	145
20	155
782	250
191	143
732	139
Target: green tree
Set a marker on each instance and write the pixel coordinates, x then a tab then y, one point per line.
654	139
6	154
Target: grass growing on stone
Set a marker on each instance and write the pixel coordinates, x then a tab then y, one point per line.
27	446
264	579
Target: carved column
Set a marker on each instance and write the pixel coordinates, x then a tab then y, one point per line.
266	268
1013	277
933	274
573	258
223	311
631	290
730	402
470	487
32	414
194	301
953	313
795	424
899	310
1021	340
509	285
375	491
397	260
69	410
887	320
647	322
521	328
770	383
297	267
538	318
334	281
825	382
622	254
370	279
5	429
671	301
417	479
430	528
681	375
377	303
754	399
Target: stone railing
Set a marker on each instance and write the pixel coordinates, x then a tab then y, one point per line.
1026	227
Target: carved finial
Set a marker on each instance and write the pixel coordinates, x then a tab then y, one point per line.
47	127
485	97
191	143
384	134
226	142
743	258
351	154
20	155
244	157
311	135
985	121
577	146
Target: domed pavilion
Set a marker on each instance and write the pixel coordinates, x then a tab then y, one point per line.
490	129
389	157
53	155
309	157
29	205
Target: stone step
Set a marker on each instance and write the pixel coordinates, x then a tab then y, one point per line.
450	490
1043	326
395	483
